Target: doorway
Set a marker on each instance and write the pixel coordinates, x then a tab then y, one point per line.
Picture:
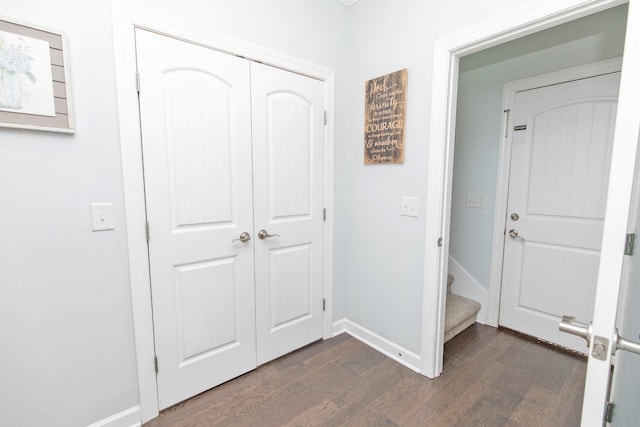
481	162
498	39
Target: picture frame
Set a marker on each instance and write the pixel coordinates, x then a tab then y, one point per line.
35	87
385	118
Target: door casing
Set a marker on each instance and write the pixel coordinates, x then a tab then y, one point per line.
125	19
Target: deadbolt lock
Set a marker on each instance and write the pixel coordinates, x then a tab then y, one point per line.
515	216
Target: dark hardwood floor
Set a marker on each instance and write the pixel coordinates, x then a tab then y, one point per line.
491	377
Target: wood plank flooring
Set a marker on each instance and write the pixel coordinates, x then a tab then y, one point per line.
491	378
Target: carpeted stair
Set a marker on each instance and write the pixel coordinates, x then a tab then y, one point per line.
460	312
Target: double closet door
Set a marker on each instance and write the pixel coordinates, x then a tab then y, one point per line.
233	175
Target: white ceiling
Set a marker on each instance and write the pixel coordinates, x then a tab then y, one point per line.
348	2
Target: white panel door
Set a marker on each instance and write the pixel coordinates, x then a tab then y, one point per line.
557	196
288	152
195	117
626	373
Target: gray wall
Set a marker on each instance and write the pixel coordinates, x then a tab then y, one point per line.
379	254
68	356
479	114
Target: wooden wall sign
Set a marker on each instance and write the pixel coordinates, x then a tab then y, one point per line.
384	118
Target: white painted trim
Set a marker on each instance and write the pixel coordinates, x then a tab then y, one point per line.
502	182
126	18
329	185
127	418
339	327
447	52
392	350
464	284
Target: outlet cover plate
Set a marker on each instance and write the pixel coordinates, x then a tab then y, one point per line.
409	206
477	200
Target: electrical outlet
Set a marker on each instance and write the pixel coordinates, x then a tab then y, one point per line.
409	206
477	200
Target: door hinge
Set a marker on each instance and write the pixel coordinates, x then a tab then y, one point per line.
324	214
324	304
155	363
629	243
326	120
520	127
608	412
146	228
138	81
506	122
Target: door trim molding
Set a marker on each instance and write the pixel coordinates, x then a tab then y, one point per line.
126	18
504	163
446	56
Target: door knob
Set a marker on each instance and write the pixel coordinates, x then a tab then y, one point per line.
264	234
244	237
514	234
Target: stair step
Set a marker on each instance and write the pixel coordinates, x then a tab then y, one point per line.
459	315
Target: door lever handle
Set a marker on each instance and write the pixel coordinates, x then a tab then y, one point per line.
625	344
244	238
514	234
264	234
569	325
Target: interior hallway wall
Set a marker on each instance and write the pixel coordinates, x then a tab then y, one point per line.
68	356
65	308
379	254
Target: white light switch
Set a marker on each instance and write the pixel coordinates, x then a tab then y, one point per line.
477	200
101	216
409	206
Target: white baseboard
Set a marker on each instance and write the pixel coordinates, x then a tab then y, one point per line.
466	286
375	341
128	418
339	327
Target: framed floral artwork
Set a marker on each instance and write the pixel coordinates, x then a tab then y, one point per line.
34	78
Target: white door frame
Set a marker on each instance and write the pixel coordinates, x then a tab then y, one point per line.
447	53
504	163
623	161
126	18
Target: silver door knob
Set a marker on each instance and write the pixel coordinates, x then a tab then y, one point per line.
264	234
244	238
514	234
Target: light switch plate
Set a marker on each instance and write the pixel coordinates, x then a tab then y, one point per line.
409	206
476	200
101	216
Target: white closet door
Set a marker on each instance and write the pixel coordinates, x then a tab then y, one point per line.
288	136
195	115
557	195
